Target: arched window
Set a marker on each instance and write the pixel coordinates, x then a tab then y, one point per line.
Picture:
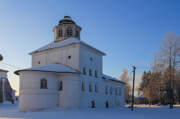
84	70
60	86
69	32
83	86
60	33
106	90
90	87
96	88
111	90
96	73
90	72
43	84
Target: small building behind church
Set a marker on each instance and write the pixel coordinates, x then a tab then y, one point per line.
68	73
7	94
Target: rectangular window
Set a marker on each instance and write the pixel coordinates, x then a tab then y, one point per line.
43	84
60	86
83	86
116	91
96	88
90	72
106	90
119	91
90	87
84	71
111	90
96	74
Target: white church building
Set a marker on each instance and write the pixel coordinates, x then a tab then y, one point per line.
68	73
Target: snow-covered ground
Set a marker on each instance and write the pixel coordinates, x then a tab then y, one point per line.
9	111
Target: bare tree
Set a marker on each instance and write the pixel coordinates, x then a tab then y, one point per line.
124	77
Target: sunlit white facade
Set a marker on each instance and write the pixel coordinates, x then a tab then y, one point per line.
68	73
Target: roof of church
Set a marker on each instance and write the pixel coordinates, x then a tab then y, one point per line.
58	68
63	43
112	79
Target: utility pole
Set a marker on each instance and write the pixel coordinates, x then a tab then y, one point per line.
132	100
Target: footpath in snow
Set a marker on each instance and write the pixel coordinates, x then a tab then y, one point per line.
9	111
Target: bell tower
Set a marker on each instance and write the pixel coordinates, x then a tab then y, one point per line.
65	29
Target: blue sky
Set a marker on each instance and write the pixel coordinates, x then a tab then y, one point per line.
129	31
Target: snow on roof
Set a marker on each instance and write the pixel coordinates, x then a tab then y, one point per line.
112	79
59	68
65	42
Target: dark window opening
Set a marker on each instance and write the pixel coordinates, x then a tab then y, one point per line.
116	92
106	90
83	86
69	32
69	57
90	87
91	59
96	74
93	105
84	70
43	84
60	86
77	33
120	91
107	104
111	90
60	33
96	88
90	72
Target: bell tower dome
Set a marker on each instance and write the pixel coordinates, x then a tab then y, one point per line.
65	29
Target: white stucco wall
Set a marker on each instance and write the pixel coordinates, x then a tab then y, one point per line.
31	96
58	55
69	97
101	97
85	54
